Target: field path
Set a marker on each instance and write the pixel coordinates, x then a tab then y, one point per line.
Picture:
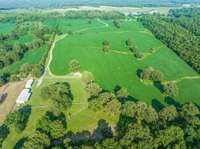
58	38
183	78
47	69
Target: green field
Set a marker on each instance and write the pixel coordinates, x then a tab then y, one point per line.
6	27
115	68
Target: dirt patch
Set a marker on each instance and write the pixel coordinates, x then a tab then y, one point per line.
12	91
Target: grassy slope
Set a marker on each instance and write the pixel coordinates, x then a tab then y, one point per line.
120	69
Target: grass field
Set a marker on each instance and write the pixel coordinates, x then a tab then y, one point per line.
118	67
6	27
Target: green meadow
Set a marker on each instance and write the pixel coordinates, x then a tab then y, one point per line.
119	67
6	27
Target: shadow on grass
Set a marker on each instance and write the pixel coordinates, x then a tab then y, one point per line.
20	143
172	101
157	105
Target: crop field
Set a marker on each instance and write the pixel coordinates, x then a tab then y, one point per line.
119	67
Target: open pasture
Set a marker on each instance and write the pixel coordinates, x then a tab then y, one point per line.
6	27
119	67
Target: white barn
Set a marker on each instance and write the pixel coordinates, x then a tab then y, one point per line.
29	84
23	97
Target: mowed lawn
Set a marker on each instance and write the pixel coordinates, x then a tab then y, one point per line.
115	68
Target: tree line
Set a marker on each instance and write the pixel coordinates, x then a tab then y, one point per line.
181	41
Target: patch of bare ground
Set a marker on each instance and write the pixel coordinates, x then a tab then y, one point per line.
12	91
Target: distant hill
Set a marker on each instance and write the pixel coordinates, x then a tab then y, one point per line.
60	3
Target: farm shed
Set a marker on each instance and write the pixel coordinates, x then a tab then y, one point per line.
29	84
23	97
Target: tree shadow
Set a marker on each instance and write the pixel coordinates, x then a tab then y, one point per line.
56	115
138	72
20	143
158	85
123	123
171	101
157	105
123	100
102	131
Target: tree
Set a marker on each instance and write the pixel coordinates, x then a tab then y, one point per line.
37	140
172	137
4	131
106	46
157	76
57	129
53	123
168	113
140	112
170	89
59	93
152	74
74	66
93	89
122	94
19	118
37	70
129	43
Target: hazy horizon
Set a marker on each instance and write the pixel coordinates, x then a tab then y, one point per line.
59	3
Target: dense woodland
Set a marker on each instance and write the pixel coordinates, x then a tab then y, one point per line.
178	35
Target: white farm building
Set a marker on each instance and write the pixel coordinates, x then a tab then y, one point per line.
26	93
23	97
29	84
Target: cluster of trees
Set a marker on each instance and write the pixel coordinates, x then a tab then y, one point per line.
188	12
190	23
106	46
107	101
74	66
152	74
17	119
180	40
59	93
4	132
140	126
130	45
116	23
94	14
169	88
